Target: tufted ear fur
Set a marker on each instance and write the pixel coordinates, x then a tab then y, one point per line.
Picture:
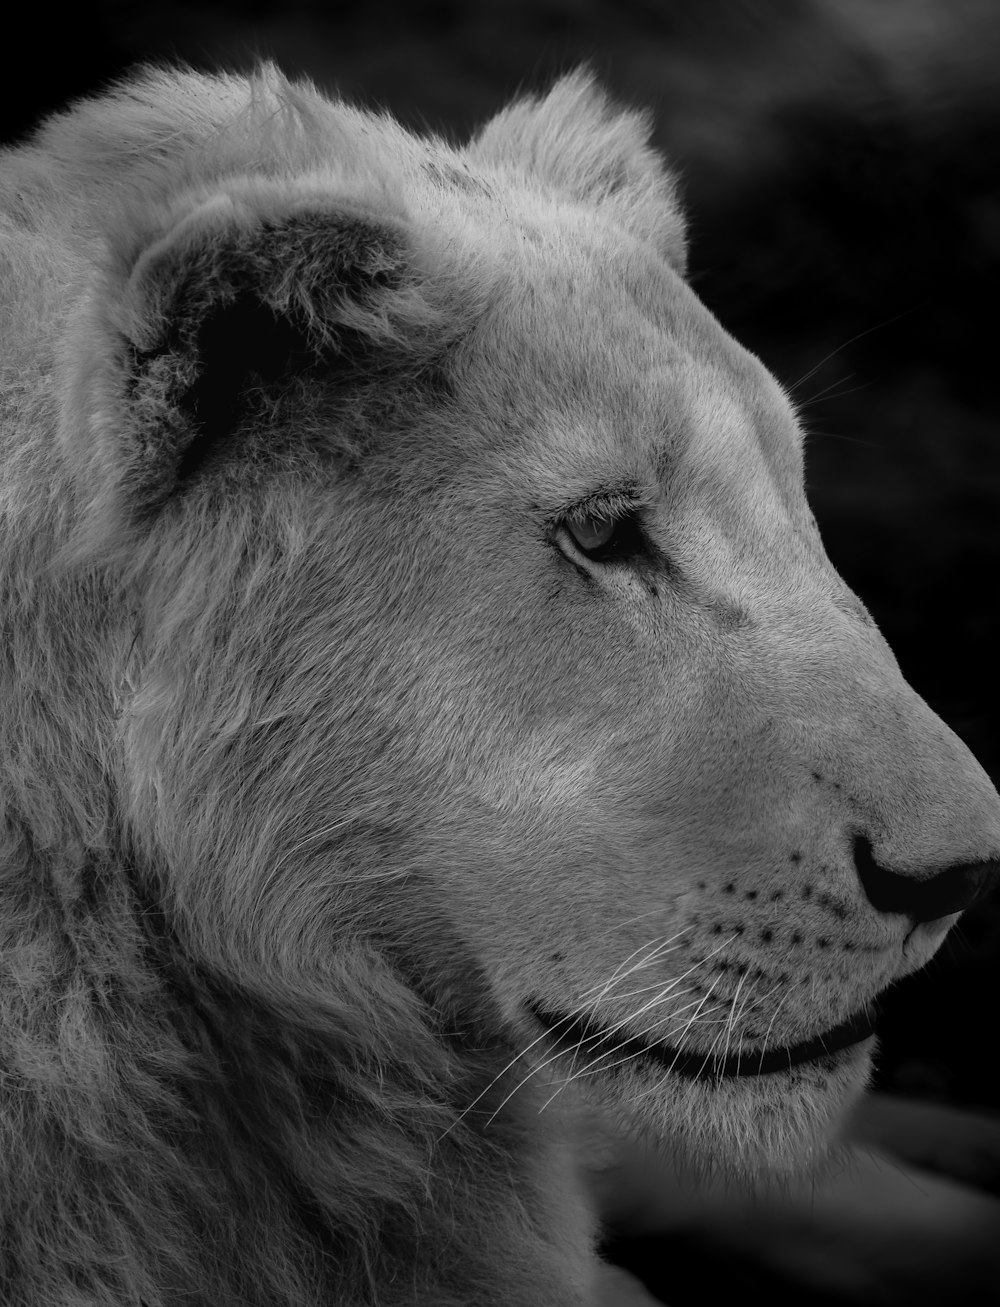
251	298
573	140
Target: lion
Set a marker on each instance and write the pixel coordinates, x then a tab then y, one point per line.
435	742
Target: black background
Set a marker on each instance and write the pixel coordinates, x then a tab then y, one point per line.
839	163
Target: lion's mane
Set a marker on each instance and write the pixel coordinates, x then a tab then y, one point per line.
219	1090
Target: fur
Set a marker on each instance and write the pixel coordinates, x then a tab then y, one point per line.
326	753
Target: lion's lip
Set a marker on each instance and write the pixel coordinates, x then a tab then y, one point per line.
585	1034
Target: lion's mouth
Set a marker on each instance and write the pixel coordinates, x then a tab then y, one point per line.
584	1035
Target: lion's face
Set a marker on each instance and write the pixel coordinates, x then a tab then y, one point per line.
671	749
494	630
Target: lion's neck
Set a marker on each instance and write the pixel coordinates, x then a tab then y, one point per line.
219	1138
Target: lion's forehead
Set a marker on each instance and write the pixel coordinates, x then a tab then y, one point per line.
612	354
596	388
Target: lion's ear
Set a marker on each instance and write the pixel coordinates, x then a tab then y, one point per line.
245	295
574	141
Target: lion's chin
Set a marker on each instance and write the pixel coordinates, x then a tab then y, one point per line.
751	1131
759	1132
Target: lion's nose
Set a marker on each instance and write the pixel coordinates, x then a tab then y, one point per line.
949	890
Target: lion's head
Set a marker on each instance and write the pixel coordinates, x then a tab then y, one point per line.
424	588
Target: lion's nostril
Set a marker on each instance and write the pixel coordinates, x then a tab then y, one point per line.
923	898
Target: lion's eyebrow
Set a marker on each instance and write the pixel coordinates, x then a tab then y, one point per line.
609	500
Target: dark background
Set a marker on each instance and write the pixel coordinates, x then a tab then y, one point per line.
839	162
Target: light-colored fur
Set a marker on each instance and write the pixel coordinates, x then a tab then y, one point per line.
325	752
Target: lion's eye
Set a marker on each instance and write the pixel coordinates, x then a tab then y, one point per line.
603	536
591	533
